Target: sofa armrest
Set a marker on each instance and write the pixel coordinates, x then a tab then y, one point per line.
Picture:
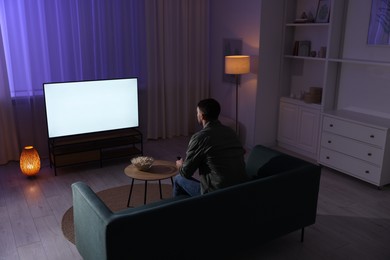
91	217
258	157
97	234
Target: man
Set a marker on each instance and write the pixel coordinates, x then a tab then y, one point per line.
215	151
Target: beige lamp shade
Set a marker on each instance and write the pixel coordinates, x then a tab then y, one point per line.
237	64
30	163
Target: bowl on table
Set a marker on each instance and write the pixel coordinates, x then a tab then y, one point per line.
142	163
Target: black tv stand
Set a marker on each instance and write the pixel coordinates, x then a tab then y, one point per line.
71	150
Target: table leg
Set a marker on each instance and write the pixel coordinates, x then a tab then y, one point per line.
145	190
159	184
131	190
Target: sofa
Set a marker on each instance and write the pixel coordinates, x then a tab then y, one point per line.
280	198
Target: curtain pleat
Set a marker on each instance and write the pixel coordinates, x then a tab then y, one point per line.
8	138
177	62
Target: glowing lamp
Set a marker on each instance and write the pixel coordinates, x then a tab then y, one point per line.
30	163
237	65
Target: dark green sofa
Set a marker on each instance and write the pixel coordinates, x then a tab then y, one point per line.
280	198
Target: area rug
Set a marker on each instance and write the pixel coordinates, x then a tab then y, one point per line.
116	199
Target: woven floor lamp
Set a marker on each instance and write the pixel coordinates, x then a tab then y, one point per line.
30	163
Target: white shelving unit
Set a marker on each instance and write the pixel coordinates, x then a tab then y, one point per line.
354	117
301	72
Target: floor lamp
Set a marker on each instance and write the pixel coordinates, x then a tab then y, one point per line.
237	65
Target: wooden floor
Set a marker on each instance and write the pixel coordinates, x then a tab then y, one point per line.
353	219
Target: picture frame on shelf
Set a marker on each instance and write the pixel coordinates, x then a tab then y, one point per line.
379	26
296	48
304	48
323	11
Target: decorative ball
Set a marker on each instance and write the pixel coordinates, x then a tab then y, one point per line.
142	163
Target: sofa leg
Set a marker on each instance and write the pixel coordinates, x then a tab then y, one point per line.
302	233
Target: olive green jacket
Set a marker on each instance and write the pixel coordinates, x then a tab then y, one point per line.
218	154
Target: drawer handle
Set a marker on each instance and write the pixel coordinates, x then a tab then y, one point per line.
329	141
367	172
372	136
331	125
369	154
327	157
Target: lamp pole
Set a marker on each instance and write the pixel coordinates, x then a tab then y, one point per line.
237	65
237	78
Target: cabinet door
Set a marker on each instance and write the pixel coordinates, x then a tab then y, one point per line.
308	129
288	123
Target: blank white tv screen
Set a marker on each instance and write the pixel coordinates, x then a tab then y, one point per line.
82	107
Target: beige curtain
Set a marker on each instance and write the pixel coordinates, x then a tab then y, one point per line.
8	138
177	65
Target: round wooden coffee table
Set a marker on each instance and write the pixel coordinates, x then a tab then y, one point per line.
160	170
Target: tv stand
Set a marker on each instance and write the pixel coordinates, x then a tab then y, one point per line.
94	147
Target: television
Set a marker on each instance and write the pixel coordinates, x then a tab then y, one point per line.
81	107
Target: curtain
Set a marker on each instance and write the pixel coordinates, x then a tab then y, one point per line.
56	40
162	42
8	138
177	64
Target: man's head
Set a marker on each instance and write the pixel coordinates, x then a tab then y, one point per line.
208	110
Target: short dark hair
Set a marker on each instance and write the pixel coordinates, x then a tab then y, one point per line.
210	108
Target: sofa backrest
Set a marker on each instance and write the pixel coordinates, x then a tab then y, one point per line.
264	161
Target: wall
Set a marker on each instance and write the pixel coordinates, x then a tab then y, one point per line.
270	56
232	19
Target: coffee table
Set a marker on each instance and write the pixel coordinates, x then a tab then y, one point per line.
159	171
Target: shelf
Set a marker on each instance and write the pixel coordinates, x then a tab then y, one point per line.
306	24
304	58
352	61
300	102
363	62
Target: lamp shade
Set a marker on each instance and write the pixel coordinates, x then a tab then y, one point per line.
30	163
237	64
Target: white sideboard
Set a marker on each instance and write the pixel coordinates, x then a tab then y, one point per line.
357	145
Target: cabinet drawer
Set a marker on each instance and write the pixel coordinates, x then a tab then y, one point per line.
353	148
351	166
359	132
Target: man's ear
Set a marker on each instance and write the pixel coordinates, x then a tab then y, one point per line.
203	117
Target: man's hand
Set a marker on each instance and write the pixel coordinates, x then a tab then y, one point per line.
179	162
